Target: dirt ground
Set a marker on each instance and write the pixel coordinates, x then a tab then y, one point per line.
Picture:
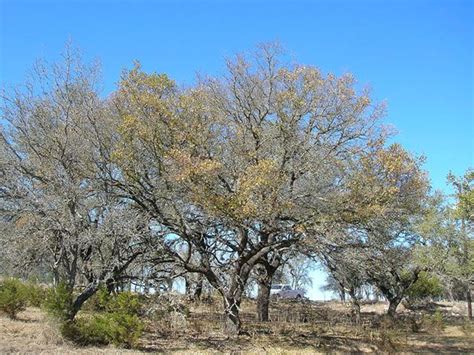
295	328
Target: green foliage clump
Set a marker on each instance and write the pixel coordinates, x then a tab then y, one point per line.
124	302
104	301
426	287
120	329
115	321
36	294
84	332
98	302
13	297
58	302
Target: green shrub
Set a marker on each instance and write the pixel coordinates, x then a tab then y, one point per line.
117	321
84	331
120	329
13	297
124	302
58	302
426	286
35	294
123	329
98	302
103	301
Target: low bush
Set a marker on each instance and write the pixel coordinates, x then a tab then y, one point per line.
425	288
85	331
35	294
124	302
120	329
98	302
13	297
58	301
115	321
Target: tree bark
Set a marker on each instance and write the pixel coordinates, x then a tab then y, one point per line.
356	311
469	302
355	305
87	293
263	298
342	296
392	307
232	322
187	286
198	290
265	278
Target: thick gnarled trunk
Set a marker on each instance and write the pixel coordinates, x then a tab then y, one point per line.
232	315
392	306
264	280
263	298
356	311
77	303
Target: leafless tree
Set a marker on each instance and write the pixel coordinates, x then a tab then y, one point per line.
54	193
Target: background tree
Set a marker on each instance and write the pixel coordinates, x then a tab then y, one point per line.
464	212
297	271
345	267
447	234
334	286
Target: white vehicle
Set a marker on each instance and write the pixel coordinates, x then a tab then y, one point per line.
285	291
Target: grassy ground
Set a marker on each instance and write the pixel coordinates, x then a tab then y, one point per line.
295	328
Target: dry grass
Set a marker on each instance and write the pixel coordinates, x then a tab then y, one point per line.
296	328
34	332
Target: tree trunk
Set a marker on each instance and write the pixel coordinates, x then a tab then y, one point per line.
187	286
342	296
356	311
469	302
450	293
198	289
392	307
355	306
87	293
263	298
231	310
55	277
264	279
111	285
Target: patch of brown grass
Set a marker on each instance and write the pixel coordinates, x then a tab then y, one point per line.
296	328
34	332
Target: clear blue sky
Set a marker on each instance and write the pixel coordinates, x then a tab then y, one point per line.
417	55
